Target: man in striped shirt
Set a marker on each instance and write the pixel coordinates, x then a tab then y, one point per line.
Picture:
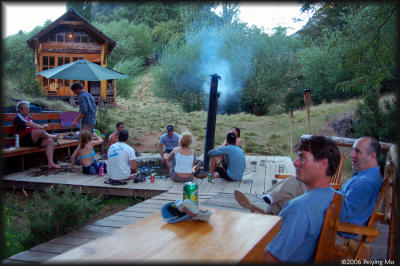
87	108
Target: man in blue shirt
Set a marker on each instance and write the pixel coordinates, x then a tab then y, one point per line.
233	162
87	108
168	141
302	218
362	190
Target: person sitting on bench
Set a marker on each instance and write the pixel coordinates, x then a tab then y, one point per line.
33	134
85	151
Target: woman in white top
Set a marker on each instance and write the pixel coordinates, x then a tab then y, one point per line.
182	159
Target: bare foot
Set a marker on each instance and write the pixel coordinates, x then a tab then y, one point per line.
54	166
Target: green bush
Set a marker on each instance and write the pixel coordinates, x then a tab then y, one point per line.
375	121
104	122
11	243
129	68
57	213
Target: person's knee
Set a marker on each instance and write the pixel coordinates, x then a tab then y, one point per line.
48	142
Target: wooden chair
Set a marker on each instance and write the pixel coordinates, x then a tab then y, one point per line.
335	180
328	251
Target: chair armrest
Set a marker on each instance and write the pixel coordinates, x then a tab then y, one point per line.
357	229
336	186
380	216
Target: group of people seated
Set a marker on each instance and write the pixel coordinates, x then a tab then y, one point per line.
227	161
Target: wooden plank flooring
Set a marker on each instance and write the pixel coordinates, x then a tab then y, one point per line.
258	176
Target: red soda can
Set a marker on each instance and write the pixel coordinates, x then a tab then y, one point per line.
152	178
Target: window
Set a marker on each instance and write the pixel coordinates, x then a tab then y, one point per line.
62	61
48	62
60	37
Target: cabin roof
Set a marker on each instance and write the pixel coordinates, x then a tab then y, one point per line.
71	13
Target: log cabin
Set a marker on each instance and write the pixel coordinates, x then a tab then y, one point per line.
69	38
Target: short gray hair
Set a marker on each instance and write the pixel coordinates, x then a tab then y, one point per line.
21	104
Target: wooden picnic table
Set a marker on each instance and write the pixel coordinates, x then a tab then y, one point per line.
229	236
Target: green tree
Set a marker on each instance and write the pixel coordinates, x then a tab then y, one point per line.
132	40
167	31
18	62
84	8
274	64
178	77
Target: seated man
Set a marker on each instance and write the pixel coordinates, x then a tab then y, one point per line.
168	141
121	160
360	192
302	217
114	136
32	134
233	163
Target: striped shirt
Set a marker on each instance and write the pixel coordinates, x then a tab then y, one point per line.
87	106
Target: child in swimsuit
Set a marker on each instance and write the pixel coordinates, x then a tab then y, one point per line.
85	153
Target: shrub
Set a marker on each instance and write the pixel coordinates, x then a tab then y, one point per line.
129	68
57	213
11	244
104	122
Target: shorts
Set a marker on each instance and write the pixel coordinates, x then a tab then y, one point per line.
26	140
167	151
221	170
93	169
176	178
87	127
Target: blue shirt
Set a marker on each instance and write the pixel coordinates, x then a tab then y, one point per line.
234	157
87	106
360	193
302	219
169	143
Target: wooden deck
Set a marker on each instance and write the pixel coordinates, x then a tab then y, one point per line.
258	177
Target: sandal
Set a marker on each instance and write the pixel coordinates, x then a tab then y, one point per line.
118	182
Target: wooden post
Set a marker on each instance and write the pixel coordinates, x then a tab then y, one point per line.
307	101
392	164
291	131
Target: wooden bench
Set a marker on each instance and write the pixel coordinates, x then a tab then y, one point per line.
54	122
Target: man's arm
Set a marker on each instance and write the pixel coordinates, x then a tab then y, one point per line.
160	149
80	116
133	166
219	151
269	258
34	125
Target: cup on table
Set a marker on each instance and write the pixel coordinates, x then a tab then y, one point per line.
281	169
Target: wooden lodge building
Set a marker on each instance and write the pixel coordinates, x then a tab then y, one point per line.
69	38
